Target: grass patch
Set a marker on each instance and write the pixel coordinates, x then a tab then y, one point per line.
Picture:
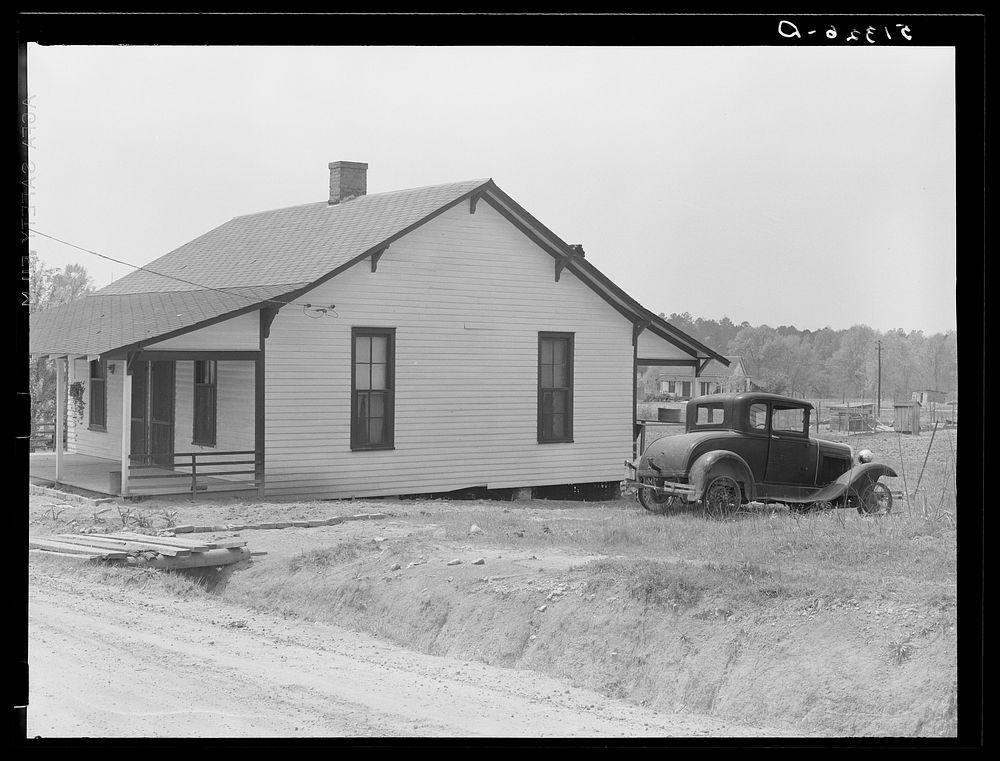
180	583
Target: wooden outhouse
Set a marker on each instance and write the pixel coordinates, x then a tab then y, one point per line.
406	342
906	417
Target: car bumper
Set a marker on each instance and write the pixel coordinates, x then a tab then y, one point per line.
667	489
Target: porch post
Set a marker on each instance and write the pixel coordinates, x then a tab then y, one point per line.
258	406
126	423
60	413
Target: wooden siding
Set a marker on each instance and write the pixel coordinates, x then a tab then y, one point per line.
238	334
82	440
651	346
234	409
234	415
468	295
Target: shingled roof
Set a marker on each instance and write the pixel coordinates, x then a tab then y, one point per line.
277	255
298	244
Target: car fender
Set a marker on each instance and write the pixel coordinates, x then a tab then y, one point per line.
854	480
721	462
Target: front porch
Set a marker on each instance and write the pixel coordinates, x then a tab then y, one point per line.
103	476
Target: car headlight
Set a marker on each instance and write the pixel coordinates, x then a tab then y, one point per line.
865	455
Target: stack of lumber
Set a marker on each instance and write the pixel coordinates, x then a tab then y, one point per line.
139	549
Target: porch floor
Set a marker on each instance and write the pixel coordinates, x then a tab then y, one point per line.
95	474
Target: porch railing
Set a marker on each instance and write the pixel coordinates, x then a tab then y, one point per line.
194	461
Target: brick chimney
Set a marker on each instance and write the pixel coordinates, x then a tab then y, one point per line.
348	179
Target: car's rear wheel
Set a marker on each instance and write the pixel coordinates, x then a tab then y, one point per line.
722	497
875	499
655	502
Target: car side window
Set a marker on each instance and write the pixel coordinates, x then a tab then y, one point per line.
787	419
758	417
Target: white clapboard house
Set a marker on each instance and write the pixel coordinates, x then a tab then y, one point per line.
408	342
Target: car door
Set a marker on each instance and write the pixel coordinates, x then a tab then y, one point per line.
791	455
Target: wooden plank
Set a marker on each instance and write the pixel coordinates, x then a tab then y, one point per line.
217	557
166	541
75	555
188	544
74	549
90	540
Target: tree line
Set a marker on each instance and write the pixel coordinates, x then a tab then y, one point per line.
49	287
828	363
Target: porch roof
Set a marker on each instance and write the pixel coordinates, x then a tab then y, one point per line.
102	323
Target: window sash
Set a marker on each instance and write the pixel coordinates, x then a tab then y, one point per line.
555	387
98	407
206	400
373	352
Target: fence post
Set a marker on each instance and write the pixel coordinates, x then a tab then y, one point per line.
194	475
925	461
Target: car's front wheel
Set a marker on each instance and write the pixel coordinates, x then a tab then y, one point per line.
722	497
875	499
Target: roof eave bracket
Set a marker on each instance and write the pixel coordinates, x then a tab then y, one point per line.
561	263
637	328
376	255
473	200
702	366
267	317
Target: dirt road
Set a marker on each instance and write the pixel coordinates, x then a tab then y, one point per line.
115	663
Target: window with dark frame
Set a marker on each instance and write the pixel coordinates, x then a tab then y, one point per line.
373	354
98	395
555	387
205	402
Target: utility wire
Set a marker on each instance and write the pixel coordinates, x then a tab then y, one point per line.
180	279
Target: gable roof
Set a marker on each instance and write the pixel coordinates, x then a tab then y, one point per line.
714	367
276	256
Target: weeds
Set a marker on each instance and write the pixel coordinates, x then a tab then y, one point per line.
53	514
133	518
900	652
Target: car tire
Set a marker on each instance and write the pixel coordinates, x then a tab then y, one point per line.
656	503
875	499
722	497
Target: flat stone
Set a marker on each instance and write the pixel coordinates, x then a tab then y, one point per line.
455	562
481	561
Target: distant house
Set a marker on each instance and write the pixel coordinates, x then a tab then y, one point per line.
927	396
713	378
407	342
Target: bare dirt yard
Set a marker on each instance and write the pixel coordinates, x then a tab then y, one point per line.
535	618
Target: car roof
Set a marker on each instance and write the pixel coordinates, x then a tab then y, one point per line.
749	397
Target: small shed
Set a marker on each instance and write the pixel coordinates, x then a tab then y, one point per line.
852	417
907	417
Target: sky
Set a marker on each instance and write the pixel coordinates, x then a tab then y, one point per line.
805	186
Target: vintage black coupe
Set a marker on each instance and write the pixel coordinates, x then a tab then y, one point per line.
755	447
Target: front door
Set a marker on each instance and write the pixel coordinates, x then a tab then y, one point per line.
153	413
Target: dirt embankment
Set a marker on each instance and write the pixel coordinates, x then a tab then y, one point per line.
684	634
662	633
108	661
